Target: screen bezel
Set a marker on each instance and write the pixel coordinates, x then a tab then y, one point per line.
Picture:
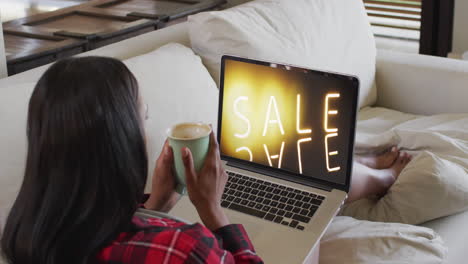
285	174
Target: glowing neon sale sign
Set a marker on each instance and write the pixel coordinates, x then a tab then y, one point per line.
273	121
284	117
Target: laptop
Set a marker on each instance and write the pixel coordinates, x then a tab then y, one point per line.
286	136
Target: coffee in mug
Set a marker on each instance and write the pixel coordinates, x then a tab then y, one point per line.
194	136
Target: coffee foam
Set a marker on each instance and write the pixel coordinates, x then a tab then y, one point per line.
189	131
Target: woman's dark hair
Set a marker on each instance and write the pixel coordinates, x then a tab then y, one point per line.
86	166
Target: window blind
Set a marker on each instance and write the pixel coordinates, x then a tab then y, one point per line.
399	19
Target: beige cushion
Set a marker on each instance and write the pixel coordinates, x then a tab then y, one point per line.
332	35
362	242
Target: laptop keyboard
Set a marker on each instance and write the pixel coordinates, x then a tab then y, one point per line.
269	201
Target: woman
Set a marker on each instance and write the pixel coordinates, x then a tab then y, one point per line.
85	175
86	171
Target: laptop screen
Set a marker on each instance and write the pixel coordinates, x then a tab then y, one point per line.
294	119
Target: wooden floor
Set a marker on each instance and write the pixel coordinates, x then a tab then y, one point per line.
13	9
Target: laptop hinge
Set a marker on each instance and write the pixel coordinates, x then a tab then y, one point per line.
280	175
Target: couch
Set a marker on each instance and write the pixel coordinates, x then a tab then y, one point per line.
409	83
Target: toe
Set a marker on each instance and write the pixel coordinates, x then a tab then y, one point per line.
390	157
407	157
401	158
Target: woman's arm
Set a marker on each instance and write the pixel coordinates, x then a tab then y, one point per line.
205	189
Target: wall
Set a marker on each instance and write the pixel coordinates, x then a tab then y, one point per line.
460	28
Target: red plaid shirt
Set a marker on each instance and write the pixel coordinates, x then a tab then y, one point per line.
161	240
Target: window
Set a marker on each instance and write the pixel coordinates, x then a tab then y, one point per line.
423	26
395	19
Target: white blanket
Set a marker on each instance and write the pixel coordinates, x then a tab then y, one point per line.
438	173
434	184
446	134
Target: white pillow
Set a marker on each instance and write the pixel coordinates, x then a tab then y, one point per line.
14	101
348	240
177	88
332	35
428	188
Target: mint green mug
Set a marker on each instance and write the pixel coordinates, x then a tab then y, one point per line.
194	136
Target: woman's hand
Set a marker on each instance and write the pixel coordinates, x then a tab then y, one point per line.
206	187
163	196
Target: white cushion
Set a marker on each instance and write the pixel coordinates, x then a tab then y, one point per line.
177	88
332	35
361	242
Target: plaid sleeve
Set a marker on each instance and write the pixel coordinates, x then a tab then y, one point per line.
162	240
234	239
205	247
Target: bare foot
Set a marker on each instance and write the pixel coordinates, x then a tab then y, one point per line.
386	178
381	161
399	164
